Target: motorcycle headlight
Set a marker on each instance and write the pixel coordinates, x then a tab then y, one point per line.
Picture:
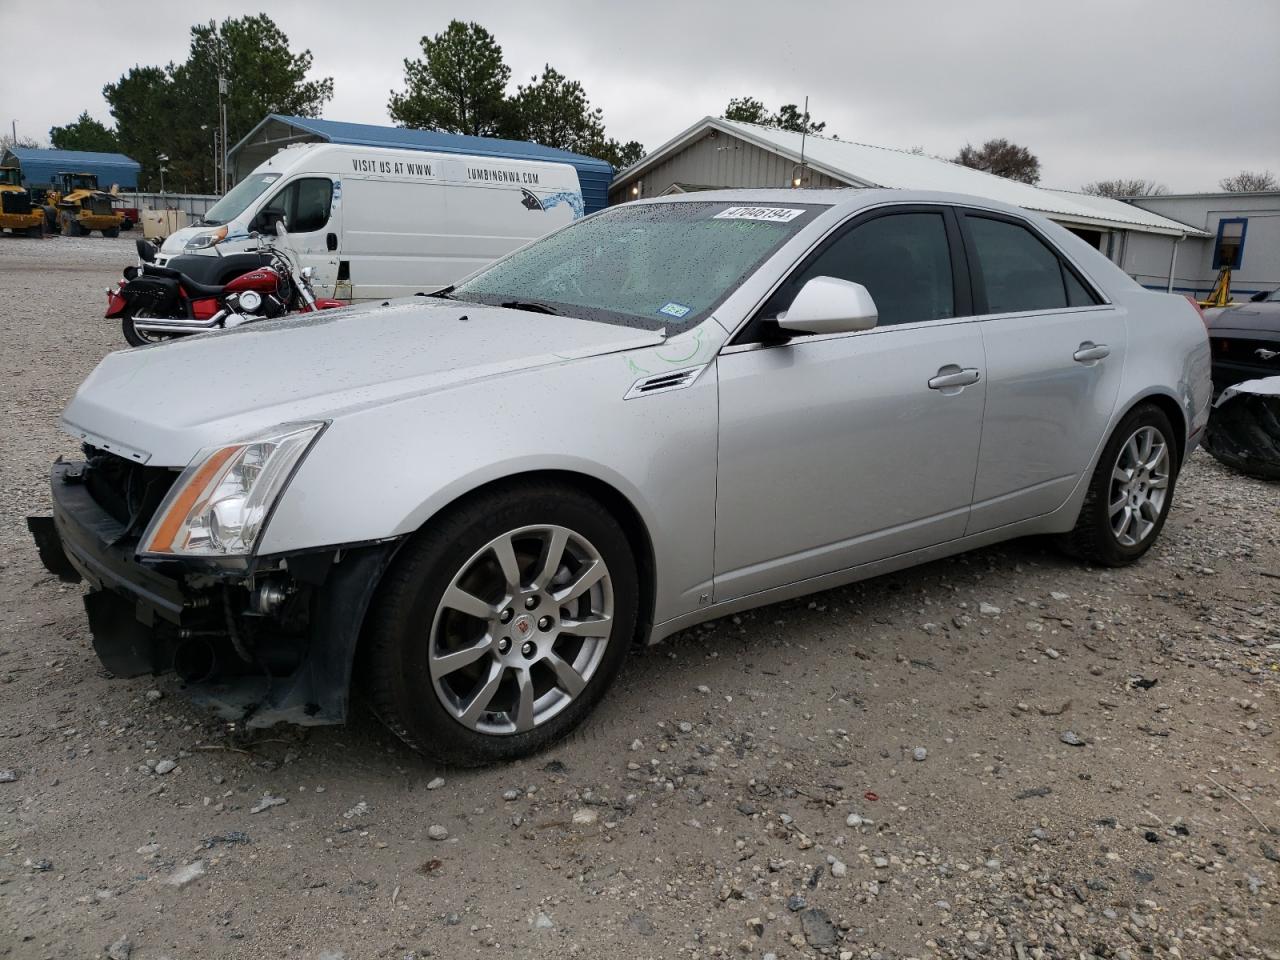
205	240
220	504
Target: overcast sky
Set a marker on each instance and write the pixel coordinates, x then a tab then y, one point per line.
1094	89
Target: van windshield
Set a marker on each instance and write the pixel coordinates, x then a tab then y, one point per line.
238	199
652	265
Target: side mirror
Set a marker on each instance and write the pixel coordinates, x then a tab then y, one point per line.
1260	296
828	305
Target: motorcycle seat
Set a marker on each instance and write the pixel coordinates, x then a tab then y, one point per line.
193	287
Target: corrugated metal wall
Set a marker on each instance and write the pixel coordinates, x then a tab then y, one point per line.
720	160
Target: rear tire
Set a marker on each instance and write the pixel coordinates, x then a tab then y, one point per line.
70	226
135	336
36	232
1244	434
111	232
1130	493
531	670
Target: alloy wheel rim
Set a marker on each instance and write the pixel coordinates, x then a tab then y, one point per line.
1139	486
521	630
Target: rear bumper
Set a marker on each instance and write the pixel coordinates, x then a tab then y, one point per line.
292	664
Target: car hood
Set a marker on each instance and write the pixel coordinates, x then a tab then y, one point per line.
160	404
1262	317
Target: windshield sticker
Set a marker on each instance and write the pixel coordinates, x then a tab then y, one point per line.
676	310
768	214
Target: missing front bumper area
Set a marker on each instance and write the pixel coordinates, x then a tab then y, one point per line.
272	643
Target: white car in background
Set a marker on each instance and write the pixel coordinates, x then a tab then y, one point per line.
667	412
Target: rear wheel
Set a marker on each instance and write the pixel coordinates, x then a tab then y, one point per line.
502	625
136	337
1130	493
70	226
36	232
1244	434
111	232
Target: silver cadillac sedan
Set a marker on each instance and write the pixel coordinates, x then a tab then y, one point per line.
469	506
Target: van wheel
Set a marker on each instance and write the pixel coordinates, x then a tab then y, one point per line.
501	625
1130	493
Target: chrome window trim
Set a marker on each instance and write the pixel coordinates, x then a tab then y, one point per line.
730	346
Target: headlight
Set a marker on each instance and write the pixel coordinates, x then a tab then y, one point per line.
220	504
205	240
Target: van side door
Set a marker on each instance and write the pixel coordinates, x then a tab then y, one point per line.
312	208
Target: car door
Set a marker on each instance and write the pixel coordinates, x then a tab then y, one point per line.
313	209
1055	352
836	450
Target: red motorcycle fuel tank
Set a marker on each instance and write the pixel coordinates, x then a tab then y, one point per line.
263	280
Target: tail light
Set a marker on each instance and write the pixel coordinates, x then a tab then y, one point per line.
1195	303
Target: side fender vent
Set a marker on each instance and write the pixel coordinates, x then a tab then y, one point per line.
664	382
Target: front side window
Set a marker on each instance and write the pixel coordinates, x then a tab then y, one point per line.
651	265
903	259
304	203
1020	272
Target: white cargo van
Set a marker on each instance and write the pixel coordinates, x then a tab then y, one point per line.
374	222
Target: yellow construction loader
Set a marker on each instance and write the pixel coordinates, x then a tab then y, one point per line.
79	207
16	212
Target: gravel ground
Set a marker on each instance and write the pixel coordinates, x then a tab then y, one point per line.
1005	754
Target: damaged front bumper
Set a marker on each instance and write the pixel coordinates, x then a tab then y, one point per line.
272	642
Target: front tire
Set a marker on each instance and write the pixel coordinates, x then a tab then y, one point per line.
111	232
71	226
1130	492
501	625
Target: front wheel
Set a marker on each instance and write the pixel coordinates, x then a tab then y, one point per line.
1130	493
502	625
111	232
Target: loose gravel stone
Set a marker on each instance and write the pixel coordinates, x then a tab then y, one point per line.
437	832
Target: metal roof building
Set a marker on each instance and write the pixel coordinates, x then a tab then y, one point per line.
277	131
39	167
726	153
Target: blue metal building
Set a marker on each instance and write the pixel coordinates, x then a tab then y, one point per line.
39	167
278	131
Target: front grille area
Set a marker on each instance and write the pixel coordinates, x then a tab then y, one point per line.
12	202
130	492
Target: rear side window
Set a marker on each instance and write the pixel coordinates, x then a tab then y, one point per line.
1020	272
903	260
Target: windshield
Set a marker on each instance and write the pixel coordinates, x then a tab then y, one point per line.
238	199
81	181
10	177
645	265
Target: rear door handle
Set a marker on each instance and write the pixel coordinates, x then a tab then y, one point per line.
1090	351
952	376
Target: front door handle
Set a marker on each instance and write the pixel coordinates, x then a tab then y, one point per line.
951	377
1090	351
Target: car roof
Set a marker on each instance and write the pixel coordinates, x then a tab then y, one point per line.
848	199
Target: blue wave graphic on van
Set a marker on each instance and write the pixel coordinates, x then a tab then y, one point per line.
574	200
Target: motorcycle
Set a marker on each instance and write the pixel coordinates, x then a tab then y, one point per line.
156	303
